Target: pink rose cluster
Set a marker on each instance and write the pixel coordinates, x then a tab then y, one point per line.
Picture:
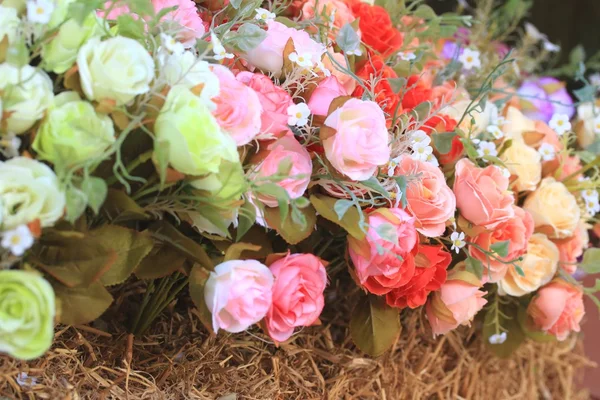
286	294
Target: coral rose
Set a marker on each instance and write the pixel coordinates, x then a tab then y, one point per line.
375	75
517	231
554	209
238	107
481	194
429	198
525	163
418	92
456	303
238	293
431	263
557	309
338	9
357	142
382	264
539	266
571	248
444	123
377	29
300	280
327	90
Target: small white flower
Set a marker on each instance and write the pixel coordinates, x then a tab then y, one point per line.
590	194
505	172
406	55
498	338
495	131
320	67
298	114
592	206
264	15
218	49
171	44
304	60
9	145
432	160
583	178
486	148
470	59
458	241
595	79
39	11
355	52
533	32
17	240
597	124
421	151
547	152
394	162
560	123
420	137
551	47
495	117
24	380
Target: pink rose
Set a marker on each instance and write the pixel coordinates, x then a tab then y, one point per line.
482	194
342	14
270	161
357	141
327	90
456	303
185	15
300	280
268	55
557	309
346	80
571	248
274	100
382	265
238	293
238	107
517	230
429	198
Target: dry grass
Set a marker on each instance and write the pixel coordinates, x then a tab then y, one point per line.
179	360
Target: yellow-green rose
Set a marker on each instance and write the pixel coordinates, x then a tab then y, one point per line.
227	184
196	143
26	314
9	23
73	132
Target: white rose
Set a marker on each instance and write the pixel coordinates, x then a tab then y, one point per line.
9	23
29	190
26	94
118	69
187	70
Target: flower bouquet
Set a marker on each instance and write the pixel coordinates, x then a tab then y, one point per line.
251	153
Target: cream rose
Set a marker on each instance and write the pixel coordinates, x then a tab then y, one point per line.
29	190
516	124
539	266
554	209
524	162
584	127
26	94
9	23
117	69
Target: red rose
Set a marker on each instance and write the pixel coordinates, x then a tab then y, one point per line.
418	92
431	263
440	124
375	71
376	28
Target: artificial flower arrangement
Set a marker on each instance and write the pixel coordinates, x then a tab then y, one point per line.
243	150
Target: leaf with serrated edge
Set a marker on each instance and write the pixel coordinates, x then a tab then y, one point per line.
374	326
291	232
82	305
325	207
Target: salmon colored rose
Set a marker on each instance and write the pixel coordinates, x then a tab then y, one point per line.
300	280
429	198
571	248
356	142
456	303
321	98
339	9
568	166
431	263
338	69
380	264
375	75
517	231
557	309
482	195
376	27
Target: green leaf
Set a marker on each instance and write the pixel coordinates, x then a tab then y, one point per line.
82	305
421	112
474	266
198	278
235	250
248	36
443	141
80	9
387	232
235	4
17	53
500	248
347	38
591	261
373	183
286	21
291	232
247	217
514	333
130	27
470	149
402	185
76	203
302	202
162	261
325	206
95	190
585	94
577	55
118	206
374	326
397	84
141	7
341	207
168	234
161	155
130	247
425	12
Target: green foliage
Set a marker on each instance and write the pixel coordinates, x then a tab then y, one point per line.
374	326
498	319
443	141
82	304
292	232
198	278
501	248
347	38
591	261
351	221
474	266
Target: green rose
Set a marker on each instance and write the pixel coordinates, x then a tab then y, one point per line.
196	143
73	132
26	314
227	184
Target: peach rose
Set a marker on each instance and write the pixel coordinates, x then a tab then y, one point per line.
327	90
539	266
516	124
346	80
558	309
456	303
341	12
517	231
429	198
554	209
571	248
525	163
300	280
274	100
356	142
238	294
380	264
238	107
482	194
269	161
